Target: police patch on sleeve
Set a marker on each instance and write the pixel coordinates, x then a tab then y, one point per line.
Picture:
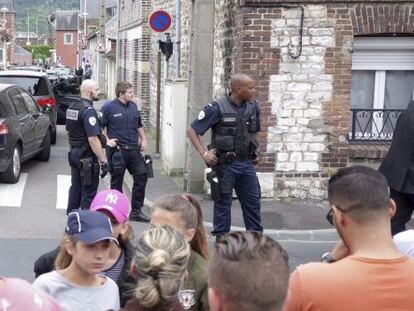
201	115
92	121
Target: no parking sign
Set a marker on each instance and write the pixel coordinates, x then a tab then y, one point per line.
160	21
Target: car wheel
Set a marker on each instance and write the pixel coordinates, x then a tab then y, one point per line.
53	137
44	155
12	174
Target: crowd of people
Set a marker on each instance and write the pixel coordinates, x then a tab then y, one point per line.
100	265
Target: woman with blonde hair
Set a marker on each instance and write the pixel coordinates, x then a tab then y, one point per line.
160	265
183	212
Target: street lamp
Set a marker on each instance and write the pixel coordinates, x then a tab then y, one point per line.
4	10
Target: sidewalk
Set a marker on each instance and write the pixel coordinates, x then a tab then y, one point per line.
294	220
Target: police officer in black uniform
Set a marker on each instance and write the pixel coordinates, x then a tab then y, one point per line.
86	156
233	154
126	140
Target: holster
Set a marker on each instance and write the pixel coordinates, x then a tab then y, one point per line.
117	161
213	179
148	166
86	171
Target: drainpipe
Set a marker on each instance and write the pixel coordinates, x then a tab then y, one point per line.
177	38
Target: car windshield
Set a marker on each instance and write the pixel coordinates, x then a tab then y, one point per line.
62	71
35	86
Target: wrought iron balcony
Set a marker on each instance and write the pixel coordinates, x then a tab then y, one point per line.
373	124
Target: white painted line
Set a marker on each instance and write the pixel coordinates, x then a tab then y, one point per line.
11	194
62	195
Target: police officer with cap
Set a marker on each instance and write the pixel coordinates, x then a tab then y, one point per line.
126	140
233	154
86	156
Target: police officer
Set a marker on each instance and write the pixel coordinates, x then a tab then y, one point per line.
86	155
235	121
126	140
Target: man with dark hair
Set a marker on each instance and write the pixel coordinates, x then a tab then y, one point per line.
248	272
375	271
233	153
126	140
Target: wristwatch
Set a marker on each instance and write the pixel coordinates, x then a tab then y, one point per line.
327	258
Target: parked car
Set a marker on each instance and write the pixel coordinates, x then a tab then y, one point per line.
65	92
52	77
39	86
25	131
63	72
31	68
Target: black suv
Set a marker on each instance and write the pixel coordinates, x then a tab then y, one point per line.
39	86
25	131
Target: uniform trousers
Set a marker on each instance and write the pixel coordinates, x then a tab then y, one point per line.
240	175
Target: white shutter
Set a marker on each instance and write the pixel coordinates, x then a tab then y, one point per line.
383	53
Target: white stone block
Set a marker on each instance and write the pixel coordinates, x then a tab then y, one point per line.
279	78
293	146
311	138
274	138
290	68
304	147
298	193
316	147
293	22
321	32
312	113
290	183
310	156
307	166
267	184
322	86
292	138
274	147
295	104
295	157
298	129
285	166
279	23
302	121
299	87
298	113
282	156
291	13
316	59
285	113
322	41
286	121
316	193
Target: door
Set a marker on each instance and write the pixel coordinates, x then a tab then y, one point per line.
26	124
39	119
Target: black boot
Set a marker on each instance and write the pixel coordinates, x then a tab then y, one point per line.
138	215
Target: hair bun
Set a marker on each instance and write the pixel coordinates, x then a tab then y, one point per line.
157	259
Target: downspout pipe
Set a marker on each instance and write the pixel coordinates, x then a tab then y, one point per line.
177	38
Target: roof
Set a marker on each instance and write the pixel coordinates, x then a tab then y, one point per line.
67	20
23	34
26	73
18	50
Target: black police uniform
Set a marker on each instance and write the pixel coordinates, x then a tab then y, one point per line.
81	123
233	128
122	122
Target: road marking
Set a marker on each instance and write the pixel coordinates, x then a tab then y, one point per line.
63	185
11	194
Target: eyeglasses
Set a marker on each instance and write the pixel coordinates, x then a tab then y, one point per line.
329	216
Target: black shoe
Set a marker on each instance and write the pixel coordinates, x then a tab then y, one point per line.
139	216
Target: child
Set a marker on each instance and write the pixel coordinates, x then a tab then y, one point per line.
84	251
183	212
160	264
115	205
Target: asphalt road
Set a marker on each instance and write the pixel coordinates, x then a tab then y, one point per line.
35	223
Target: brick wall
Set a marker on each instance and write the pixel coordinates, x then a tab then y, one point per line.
67	53
133	51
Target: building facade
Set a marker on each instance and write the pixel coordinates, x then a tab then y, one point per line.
67	41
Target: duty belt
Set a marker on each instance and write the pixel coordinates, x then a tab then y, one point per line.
128	147
228	157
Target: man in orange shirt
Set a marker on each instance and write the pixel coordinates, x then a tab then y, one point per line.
375	276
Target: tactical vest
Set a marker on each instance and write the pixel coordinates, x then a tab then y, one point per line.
74	123
235	131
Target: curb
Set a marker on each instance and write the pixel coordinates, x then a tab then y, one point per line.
316	235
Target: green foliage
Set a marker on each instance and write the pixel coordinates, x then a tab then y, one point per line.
40	51
39	9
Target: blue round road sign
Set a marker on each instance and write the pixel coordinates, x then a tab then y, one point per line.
160	21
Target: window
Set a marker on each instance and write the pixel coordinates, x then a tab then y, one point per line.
30	103
35	86
18	101
382	80
68	38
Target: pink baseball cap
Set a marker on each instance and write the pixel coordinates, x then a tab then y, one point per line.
113	201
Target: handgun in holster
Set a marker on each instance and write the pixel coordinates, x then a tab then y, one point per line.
213	179
86	171
148	166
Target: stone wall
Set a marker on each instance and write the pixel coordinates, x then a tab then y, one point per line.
133	49
168	6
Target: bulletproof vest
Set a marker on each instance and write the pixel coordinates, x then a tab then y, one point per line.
234	132
74	123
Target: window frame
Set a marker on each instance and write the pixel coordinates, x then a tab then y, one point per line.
65	42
